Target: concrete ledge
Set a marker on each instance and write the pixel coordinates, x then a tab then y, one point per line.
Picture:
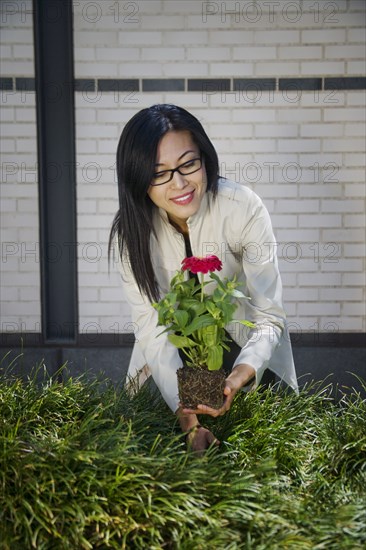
340	366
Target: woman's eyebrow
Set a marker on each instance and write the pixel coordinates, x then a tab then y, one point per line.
185	153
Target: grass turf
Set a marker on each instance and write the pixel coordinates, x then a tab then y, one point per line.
85	466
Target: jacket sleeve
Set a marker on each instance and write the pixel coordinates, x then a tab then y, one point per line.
160	355
264	287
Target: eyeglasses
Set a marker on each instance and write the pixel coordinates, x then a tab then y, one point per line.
189	167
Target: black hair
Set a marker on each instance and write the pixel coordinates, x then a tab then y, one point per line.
136	158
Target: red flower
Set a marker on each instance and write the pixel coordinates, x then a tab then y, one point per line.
194	264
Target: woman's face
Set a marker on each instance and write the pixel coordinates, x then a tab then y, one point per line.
182	195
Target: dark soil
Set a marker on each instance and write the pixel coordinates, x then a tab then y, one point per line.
201	387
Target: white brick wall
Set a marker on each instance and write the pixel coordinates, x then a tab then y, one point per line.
20	281
302	151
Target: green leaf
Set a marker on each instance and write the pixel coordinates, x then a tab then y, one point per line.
163	315
199	322
177	280
170	298
220	283
181	341
214	357
244	322
227	310
190	304
209	335
213	309
181	318
217	295
236	293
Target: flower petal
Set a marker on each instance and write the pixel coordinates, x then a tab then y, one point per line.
195	264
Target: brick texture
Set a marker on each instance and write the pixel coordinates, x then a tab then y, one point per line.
301	150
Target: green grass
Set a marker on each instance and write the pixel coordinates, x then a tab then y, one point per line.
85	466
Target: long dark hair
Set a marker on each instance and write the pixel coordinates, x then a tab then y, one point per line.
136	158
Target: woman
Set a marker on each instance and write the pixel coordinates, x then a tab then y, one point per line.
173	204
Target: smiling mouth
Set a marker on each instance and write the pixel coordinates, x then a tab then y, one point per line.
183	199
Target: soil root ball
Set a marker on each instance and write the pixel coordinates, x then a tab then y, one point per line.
201	387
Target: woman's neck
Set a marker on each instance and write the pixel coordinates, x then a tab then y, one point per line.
180	226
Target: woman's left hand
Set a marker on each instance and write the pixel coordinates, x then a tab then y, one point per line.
240	375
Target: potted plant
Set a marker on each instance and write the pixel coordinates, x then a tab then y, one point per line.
195	322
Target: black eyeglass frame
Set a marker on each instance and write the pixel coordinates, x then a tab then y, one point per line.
177	169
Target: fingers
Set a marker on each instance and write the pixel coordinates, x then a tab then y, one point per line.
211	439
229	393
202	440
191	411
205	409
201	409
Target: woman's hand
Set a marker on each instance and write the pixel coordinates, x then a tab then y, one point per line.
199	439
239	377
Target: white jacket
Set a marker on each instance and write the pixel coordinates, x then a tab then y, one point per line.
236	227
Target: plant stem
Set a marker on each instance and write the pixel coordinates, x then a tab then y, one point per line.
203	276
